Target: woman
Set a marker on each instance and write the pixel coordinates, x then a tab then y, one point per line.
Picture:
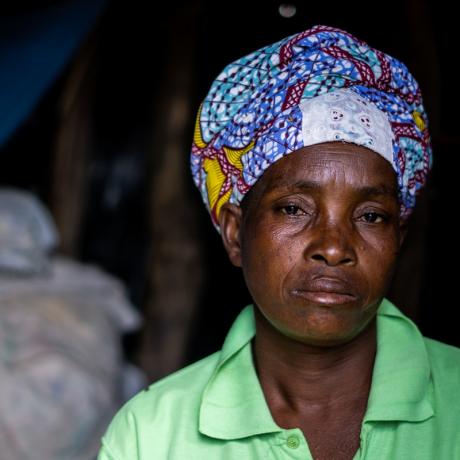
309	154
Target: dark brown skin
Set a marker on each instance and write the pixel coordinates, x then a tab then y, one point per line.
318	242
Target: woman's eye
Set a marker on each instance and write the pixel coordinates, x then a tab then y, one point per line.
373	217
292	210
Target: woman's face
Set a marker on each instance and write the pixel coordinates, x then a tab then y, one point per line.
318	241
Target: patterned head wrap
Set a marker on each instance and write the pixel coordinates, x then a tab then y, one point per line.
317	86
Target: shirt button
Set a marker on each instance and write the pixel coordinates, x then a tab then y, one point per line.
293	442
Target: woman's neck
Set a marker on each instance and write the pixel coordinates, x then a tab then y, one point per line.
302	379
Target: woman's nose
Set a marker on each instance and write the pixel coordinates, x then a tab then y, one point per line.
331	244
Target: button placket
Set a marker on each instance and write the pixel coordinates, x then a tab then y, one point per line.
293	441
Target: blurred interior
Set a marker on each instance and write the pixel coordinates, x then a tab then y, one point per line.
100	130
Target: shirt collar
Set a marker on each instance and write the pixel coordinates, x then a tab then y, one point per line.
401	382
233	405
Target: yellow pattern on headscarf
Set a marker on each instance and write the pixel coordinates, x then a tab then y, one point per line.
419	121
215	177
223	199
197	137
234	156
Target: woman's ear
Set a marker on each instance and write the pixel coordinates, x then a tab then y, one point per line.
230	222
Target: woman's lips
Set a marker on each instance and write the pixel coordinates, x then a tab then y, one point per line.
326	291
325	298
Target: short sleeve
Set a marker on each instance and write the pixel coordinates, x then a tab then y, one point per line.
105	453
120	442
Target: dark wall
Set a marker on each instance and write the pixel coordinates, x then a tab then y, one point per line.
130	53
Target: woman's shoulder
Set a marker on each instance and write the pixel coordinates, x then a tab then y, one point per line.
184	386
164	408
443	353
445	367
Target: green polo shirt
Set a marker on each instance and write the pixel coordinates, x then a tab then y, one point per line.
215	408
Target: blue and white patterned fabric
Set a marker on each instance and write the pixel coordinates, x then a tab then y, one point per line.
252	115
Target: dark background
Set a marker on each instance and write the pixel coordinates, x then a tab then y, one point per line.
140	55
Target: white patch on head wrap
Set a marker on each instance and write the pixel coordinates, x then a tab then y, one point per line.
343	115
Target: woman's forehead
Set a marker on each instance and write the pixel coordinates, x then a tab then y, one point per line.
342	164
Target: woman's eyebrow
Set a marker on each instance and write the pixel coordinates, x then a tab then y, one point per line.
283	183
379	190
364	191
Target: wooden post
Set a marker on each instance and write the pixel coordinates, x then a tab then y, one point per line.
72	150
176	261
